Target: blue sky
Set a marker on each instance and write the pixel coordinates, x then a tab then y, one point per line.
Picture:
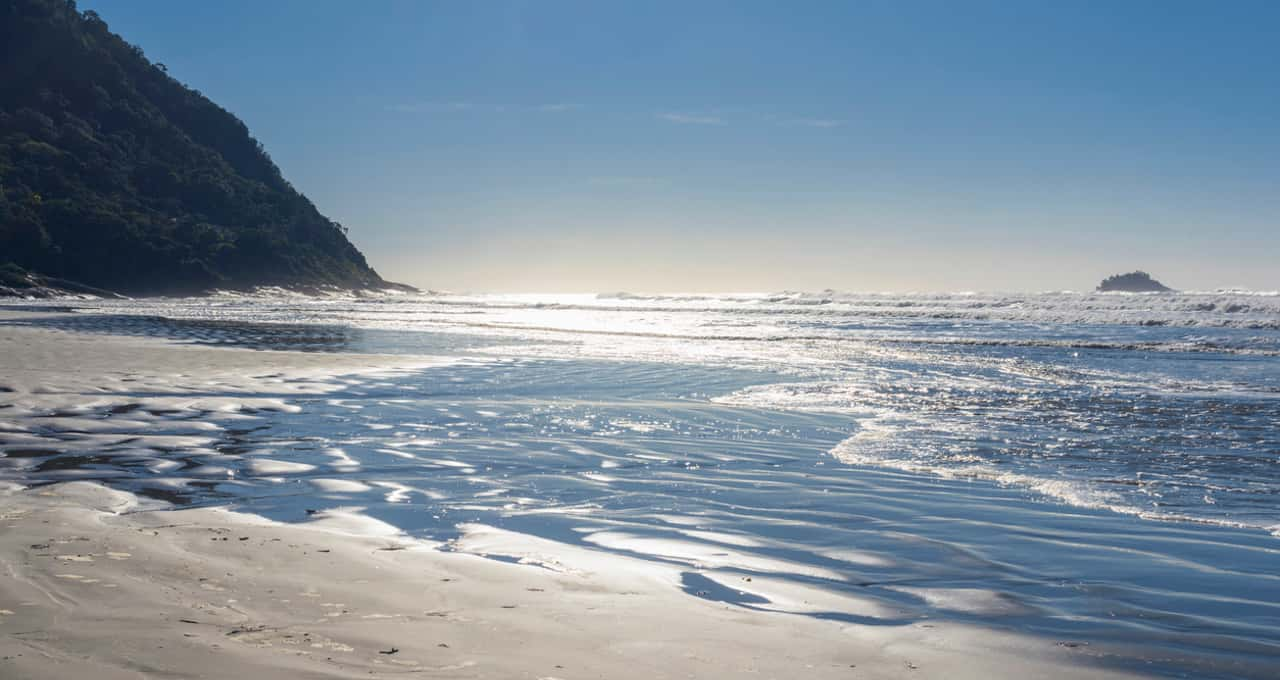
602	146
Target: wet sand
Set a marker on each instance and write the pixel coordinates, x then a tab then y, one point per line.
99	583
96	587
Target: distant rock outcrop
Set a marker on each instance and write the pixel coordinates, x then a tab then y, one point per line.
19	283
1133	282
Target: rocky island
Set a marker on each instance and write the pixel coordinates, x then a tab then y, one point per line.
1133	282
115	176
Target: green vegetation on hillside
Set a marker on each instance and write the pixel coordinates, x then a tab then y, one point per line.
116	175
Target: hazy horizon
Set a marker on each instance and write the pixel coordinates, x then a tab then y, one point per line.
590	147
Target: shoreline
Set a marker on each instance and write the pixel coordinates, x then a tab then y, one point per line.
209	592
103	582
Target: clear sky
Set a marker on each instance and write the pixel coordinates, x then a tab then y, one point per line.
756	146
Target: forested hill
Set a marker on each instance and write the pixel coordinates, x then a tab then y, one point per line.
115	175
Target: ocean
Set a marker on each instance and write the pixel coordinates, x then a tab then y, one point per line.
1103	469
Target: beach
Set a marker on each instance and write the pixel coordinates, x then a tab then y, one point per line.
569	341
169	542
206	593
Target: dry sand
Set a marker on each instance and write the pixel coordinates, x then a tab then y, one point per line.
98	584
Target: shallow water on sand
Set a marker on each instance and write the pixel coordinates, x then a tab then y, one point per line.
1100	483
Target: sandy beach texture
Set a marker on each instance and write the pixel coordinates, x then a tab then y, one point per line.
99	583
